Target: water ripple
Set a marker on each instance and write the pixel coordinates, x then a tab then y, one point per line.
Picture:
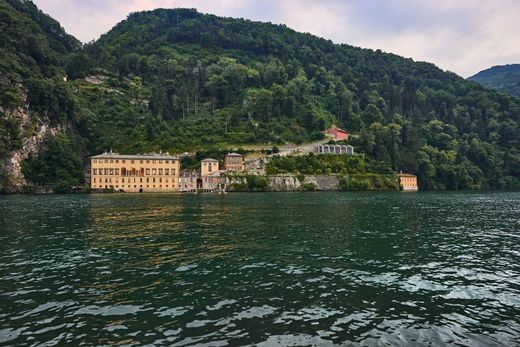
261	269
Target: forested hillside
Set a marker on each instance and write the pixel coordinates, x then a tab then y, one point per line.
36	106
178	80
505	78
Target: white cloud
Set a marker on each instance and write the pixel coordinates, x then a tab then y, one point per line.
463	36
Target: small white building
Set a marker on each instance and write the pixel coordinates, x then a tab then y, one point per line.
335	149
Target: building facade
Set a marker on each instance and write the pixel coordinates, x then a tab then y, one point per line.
208	166
234	162
214	182
335	149
189	181
408	181
337	133
153	172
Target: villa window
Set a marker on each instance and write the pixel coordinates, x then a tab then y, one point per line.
154	171
106	171
131	161
160	161
94	171
147	171
117	172
94	180
117	161
123	180
140	161
147	180
153	180
123	161
160	171
166	161
166	171
111	171
160	180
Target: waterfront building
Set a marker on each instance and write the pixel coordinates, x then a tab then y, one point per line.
337	133
189	181
335	149
408	181
208	166
234	162
214	182
151	172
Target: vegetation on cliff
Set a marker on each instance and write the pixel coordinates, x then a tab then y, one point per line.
34	50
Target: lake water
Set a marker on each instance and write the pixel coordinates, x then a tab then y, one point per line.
264	269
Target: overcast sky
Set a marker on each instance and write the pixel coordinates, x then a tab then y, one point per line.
463	36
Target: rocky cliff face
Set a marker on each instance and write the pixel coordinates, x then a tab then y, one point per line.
33	132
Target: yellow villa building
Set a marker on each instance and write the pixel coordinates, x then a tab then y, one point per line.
153	172
408	181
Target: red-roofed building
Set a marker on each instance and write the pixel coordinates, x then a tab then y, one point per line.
337	133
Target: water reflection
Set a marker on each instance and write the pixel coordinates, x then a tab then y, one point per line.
267	269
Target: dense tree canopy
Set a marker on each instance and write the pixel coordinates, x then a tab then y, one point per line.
180	80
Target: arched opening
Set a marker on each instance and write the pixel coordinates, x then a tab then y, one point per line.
141	172
140	190
123	172
133	172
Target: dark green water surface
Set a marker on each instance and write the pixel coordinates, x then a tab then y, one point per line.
261	269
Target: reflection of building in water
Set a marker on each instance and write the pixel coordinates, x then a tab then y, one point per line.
154	172
408	181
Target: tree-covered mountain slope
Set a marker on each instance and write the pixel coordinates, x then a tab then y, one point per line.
36	106
178	80
505	78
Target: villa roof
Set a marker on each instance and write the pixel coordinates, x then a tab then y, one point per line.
210	159
155	156
233	155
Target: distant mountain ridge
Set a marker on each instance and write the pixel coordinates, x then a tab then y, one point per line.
505	78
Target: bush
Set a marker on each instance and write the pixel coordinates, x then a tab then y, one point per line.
368	182
257	183
309	187
62	187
